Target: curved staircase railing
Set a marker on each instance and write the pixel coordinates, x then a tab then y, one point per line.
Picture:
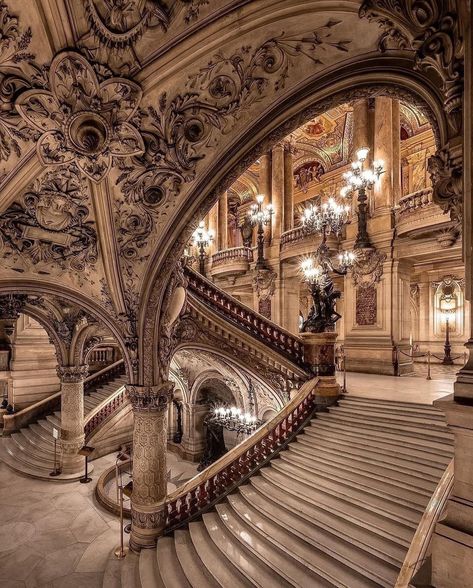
420	543
199	494
114	369
245	318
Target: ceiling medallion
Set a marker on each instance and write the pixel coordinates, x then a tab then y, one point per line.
81	119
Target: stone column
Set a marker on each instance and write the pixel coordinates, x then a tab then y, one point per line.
265	189
213	226
383	149
288	186
222	222
193	440
150	411
72	416
361	126
396	134
277	189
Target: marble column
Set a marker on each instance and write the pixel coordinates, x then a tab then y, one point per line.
288	186
265	188
277	189
72	416
193	440
383	191
213	226
150	411
222	222
361	126
396	164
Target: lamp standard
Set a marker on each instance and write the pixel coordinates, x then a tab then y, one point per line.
316	269
448	307
260	216
359	180
202	239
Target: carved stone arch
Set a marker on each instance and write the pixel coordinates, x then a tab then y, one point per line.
89	337
180	384
42	318
319	94
38	288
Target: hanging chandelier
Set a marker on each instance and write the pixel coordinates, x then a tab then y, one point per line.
234	419
330	217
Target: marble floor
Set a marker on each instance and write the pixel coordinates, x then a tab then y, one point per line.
55	535
404	389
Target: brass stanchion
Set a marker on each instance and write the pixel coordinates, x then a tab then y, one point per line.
121	551
344	365
428	365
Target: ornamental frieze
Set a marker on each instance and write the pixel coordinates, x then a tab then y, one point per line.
368	267
148	399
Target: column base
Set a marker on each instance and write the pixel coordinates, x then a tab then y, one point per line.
327	392
319	353
147	524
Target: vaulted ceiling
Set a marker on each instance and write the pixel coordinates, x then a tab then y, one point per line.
122	120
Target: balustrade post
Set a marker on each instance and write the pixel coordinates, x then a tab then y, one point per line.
319	356
72	416
148	511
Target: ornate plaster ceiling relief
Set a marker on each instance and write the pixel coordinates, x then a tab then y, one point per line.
80	119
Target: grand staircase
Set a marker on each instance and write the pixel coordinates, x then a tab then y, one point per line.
31	450
338	507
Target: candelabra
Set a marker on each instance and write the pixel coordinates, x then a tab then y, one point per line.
202	239
316	269
260	216
359	180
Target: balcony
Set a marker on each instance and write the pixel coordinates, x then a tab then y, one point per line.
419	217
297	242
231	261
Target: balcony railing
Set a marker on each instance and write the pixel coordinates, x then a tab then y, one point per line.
245	318
230	255
293	235
414	201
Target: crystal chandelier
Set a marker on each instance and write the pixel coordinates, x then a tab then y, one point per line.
359	180
233	419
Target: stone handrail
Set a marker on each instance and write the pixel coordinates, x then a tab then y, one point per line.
245	318
104	411
17	420
114	369
235	467
411	202
420	543
232	254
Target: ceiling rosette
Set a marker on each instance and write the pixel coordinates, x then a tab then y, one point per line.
81	119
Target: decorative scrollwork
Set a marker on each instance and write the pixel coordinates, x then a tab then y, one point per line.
150	398
178	130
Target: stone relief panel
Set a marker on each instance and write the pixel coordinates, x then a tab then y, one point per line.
366	306
50	229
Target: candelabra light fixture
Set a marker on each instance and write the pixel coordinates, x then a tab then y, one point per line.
260	216
360	179
448	307
330	217
234	419
202	239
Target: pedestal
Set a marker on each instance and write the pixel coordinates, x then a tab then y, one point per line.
319	355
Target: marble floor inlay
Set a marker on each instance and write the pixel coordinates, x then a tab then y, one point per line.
55	535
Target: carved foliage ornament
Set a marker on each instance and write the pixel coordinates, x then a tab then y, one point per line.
368	267
431	28
11	305
447	183
150	398
72	374
50	225
179	129
81	119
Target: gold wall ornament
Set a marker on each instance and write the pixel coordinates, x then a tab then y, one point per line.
80	119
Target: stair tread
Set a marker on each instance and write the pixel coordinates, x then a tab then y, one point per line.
196	573
209	554
329	555
148	570
168	565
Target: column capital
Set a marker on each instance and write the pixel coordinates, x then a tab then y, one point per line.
72	374
148	399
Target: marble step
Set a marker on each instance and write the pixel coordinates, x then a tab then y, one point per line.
227	576
425	422
253	565
196	573
410	494
359	513
267	497
38	441
31	471
394	404
46	425
417	411
54	420
373	500
438	452
323	553
148	570
17	452
39	453
172	575
43	432
431	436
369	457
